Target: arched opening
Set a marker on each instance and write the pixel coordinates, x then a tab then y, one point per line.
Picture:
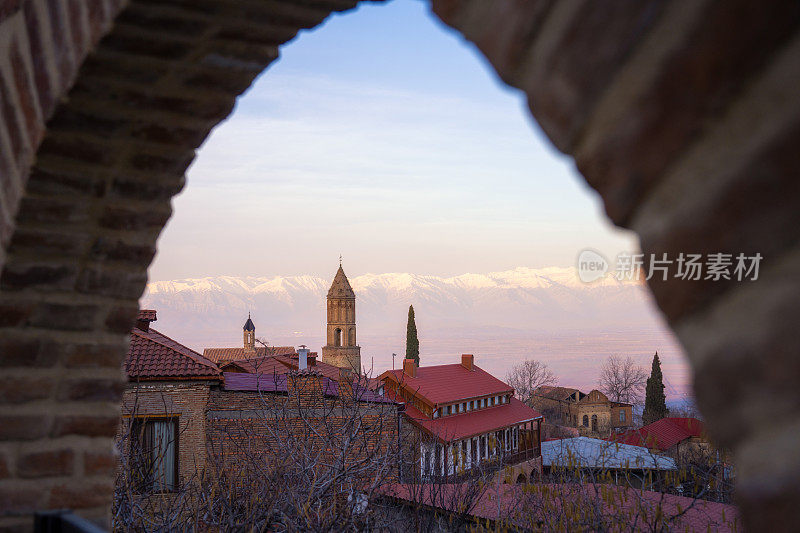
586	421
594	423
337	337
351	337
125	210
521	479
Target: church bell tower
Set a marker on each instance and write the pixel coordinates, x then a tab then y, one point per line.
249	335
341	349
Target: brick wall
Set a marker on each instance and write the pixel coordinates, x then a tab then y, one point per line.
185	400
682	115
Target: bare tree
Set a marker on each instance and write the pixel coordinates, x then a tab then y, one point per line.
622	380
527	376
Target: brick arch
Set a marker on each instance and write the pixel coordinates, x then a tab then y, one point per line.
681	115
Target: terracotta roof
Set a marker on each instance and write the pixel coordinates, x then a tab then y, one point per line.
555	392
277	383
449	383
153	355
507	502
279	364
237	354
478	422
340	288
147	314
662	434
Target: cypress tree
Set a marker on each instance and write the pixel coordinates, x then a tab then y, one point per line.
412	342
655	403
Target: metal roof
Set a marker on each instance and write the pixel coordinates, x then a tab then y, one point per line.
586	452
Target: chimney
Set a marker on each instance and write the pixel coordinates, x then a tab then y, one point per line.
410	368
468	361
305	388
302	357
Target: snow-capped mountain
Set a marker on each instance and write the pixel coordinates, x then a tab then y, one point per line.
210	311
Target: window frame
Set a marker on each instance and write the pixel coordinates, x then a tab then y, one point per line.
142	421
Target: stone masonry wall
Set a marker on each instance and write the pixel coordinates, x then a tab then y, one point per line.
683	115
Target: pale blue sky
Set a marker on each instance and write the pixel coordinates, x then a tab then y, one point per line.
383	136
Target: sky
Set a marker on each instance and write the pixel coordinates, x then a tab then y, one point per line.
384	137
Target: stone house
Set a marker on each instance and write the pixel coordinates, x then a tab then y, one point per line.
464	419
591	414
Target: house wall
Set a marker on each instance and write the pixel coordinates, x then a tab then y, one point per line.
185	399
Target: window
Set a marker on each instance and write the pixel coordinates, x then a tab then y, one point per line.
154	454
586	421
449	409
337	337
622	415
594	423
435	413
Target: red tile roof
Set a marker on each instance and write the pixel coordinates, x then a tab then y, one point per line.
147	314
517	505
277	383
153	355
662	434
449	383
478	422
238	354
279	364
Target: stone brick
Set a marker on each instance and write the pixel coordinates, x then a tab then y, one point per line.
92	355
81	149
61	182
14	314
38	53
147	191
118	283
21	351
5	469
105	248
47	242
99	463
171	134
121	319
65	62
19	147
47	211
80	494
18	276
23	427
77	317
25	389
17	500
693	87
46	464
88	426
25	94
91	390
122	218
